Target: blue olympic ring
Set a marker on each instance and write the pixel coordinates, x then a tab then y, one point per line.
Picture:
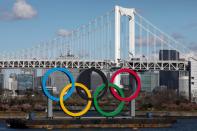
68	74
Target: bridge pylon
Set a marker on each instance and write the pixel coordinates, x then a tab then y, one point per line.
129	12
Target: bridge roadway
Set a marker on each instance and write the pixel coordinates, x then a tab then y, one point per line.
102	64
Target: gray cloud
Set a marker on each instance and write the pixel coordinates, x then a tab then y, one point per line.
63	32
23	10
20	10
151	40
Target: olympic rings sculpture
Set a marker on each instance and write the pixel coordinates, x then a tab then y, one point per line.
99	92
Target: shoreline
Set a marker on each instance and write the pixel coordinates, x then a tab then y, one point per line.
92	123
159	119
23	115
168	113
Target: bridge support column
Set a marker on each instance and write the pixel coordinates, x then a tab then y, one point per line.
50	106
129	12
120	11
132	113
189	82
132	83
117	34
50	109
117	42
132	52
132	34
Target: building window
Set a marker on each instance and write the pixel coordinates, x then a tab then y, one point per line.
192	83
192	77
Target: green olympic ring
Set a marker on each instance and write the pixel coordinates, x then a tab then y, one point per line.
117	110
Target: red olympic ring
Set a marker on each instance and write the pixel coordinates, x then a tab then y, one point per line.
114	92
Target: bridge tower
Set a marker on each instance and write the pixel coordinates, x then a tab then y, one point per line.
129	12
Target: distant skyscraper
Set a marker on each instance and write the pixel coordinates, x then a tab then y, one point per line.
12	82
168	55
169	78
1	81
193	78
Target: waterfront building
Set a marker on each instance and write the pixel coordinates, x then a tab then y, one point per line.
184	86
1	81
149	81
193	80
12	85
169	78
168	55
38	82
25	82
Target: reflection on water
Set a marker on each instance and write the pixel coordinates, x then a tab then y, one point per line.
181	125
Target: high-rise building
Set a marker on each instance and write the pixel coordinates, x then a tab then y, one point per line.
38	82
168	55
12	82
25	81
193	79
184	86
1	81
170	79
12	85
149	81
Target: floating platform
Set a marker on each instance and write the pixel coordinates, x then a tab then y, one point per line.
92	123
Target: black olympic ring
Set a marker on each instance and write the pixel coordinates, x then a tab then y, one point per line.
82	79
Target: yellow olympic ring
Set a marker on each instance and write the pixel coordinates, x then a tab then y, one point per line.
62	100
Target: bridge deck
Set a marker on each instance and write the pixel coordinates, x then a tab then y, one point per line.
156	65
83	64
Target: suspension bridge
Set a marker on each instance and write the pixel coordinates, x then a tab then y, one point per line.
119	38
